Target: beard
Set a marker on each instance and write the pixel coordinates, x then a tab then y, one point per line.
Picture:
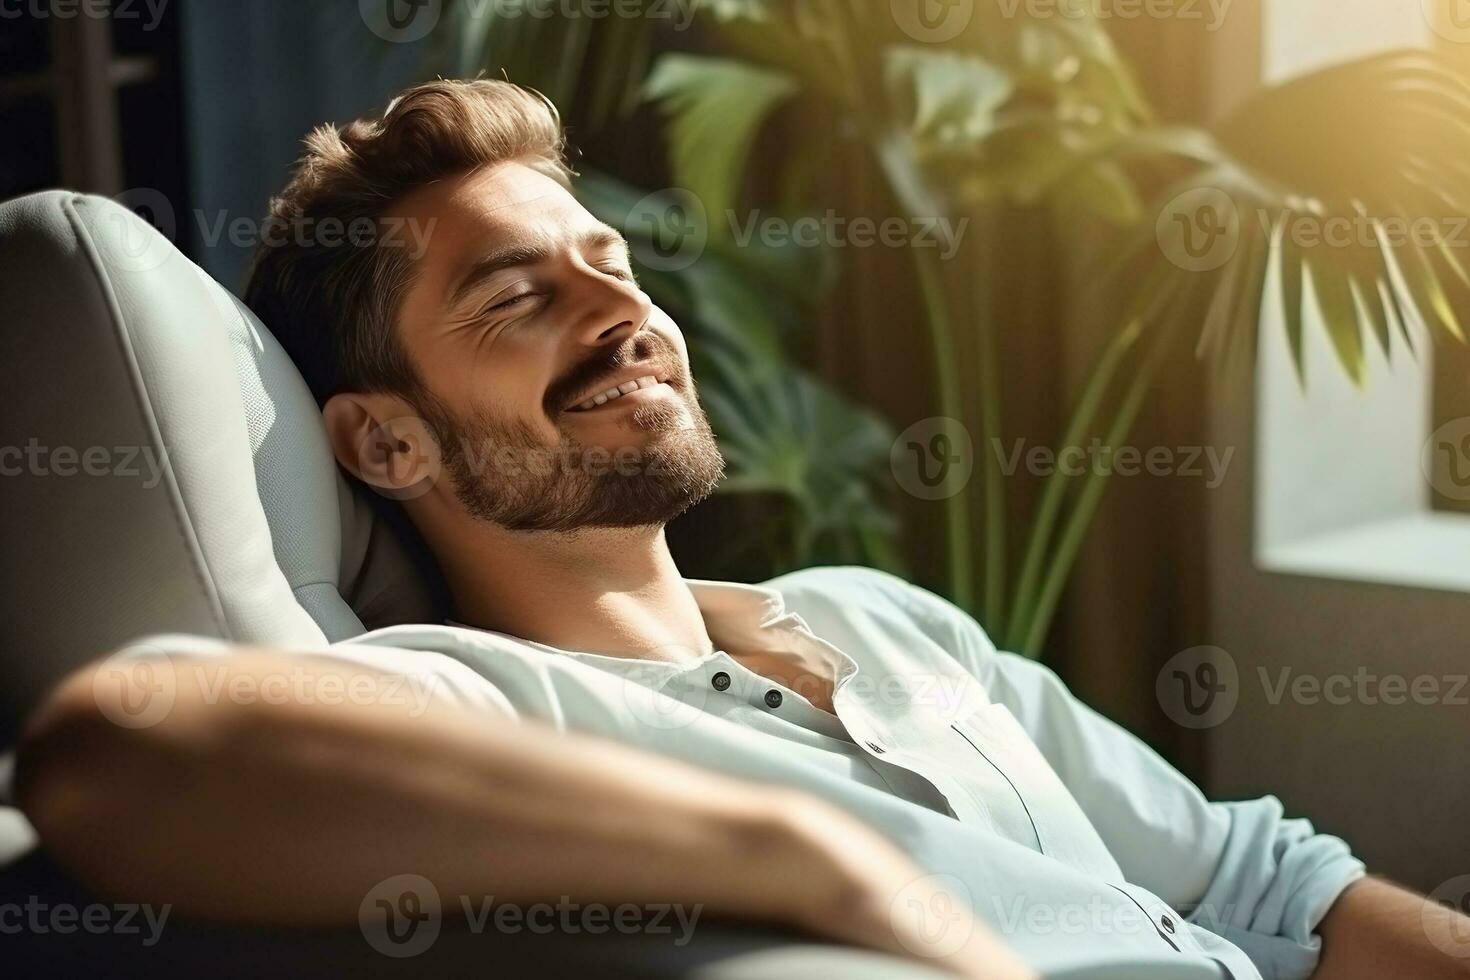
502	471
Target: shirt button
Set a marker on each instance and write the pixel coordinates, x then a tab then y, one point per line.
877	749
773	699
720	681
1167	923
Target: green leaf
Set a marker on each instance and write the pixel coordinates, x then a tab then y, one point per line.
1371	310
1255	261
715	107
1396	298
1429	295
945	96
1292	297
1103	190
1339	317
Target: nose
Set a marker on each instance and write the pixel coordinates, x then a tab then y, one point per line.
615	310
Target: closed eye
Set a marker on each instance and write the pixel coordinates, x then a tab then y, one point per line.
506	304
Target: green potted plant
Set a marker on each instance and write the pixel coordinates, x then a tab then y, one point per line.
1008	113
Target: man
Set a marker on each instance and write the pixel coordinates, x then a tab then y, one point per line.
837	750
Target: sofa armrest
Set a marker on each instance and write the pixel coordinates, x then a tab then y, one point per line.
33	888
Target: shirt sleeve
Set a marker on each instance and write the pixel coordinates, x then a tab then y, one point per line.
384	674
1242	870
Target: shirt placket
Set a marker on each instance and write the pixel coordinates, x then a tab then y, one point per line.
873	733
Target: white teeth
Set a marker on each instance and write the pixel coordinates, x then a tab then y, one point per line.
647	381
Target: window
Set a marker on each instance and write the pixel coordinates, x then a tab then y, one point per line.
1358	483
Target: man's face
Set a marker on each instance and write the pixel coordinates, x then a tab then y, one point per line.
560	397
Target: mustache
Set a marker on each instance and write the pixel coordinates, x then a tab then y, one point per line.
643	347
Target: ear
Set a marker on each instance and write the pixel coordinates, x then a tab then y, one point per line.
378	439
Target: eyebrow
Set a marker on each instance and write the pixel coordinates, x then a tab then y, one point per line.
602	236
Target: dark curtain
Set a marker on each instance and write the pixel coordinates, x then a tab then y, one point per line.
258	76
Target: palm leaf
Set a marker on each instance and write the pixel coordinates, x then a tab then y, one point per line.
1294	160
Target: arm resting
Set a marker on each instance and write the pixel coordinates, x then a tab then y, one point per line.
288	813
1377	929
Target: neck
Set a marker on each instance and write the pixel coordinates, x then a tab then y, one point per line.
613	591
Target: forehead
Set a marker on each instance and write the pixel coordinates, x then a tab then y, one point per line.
509	201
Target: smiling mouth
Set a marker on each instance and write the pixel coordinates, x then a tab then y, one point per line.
649	382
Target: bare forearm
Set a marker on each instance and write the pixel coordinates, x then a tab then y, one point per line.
290	814
1376	929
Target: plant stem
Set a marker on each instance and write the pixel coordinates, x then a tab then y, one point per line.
1056	484
1087	501
990	422
931	281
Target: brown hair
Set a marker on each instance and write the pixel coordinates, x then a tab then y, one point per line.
333	305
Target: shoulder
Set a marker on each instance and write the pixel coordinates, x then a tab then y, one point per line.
868	589
844	594
842	584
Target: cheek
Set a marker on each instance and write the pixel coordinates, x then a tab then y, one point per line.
665	326
509	376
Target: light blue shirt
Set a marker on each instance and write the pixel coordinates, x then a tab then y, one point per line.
1084	850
